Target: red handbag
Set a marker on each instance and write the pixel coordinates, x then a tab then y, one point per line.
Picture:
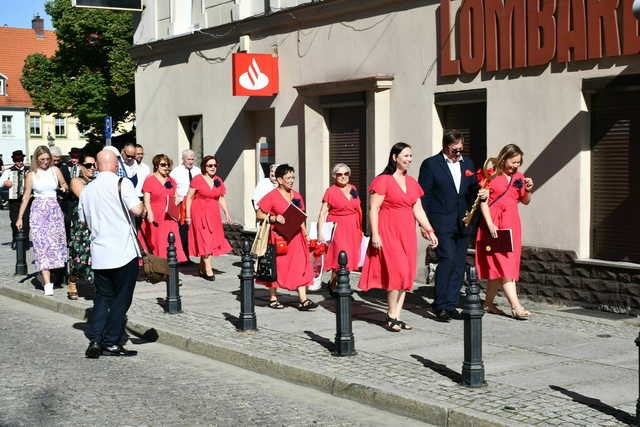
282	247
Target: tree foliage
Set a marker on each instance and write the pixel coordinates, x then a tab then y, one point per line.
91	74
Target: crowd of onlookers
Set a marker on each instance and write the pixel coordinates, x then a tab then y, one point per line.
93	218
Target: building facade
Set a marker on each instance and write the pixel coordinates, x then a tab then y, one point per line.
560	79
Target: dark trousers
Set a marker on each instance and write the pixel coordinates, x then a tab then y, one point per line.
114	292
183	229
451	251
14	208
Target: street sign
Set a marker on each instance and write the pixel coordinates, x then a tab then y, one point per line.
107	129
135	5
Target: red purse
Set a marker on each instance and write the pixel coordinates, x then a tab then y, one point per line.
282	247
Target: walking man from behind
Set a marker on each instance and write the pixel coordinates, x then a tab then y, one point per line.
450	186
105	206
183	174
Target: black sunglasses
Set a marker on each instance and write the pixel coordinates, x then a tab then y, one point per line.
163	164
89	165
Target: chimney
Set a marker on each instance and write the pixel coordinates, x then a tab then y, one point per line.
37	24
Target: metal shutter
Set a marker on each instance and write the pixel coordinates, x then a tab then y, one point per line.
471	121
615	176
347	144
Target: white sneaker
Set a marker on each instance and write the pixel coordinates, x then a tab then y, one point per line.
48	289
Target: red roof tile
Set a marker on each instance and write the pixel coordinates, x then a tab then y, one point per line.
15	45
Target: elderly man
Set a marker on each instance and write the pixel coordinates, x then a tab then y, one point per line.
14	179
183	174
105	206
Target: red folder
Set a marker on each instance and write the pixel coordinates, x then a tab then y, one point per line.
293	218
503	243
173	211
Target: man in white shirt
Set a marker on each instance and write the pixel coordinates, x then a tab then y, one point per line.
183	174
127	165
114	254
143	169
265	186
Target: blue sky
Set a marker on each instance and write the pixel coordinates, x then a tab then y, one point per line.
18	13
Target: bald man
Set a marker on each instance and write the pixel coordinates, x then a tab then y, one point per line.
105	205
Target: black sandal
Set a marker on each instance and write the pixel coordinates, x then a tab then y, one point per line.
391	323
306	305
275	304
404	326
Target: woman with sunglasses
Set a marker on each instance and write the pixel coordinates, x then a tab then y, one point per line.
341	205
159	197
205	198
79	235
46	222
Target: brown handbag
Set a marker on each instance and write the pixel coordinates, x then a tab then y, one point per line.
155	268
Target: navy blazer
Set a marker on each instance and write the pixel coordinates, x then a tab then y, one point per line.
444	206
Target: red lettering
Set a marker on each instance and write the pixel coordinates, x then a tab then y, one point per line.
630	36
448	67
603	12
505	30
472	36
576	38
541	31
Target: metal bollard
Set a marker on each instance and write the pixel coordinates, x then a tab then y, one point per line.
173	303
638	401
345	342
21	253
472	367
247	319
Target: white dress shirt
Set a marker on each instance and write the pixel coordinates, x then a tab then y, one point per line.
112	239
181	175
263	187
143	173
456	170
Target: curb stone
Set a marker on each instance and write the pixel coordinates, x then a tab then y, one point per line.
434	413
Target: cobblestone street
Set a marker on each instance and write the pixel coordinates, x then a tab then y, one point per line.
47	382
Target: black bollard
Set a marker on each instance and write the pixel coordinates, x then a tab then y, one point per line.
638	401
247	319
345	342
472	367
21	253
173	303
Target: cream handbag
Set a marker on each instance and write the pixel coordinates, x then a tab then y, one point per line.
259	247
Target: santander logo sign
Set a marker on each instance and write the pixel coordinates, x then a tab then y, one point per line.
255	74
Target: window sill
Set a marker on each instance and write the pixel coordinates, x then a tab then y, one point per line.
605	263
61	136
36	136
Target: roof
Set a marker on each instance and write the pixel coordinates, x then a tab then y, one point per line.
15	45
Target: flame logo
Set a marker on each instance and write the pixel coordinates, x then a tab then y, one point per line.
254	79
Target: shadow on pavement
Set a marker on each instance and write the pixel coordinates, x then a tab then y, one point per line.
439	368
231	319
325	342
598	405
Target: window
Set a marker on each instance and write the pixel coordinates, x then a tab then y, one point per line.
60	126
6	125
3	85
35	126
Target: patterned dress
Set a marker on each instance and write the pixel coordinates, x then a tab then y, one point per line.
79	245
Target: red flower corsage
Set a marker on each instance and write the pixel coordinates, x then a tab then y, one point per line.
316	248
468	173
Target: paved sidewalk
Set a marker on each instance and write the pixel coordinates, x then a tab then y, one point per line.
565	366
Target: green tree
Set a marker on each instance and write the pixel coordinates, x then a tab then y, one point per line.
91	74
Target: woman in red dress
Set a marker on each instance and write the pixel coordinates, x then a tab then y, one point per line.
205	198
159	191
394	209
500	211
293	269
341	205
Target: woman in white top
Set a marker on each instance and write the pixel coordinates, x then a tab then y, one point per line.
46	220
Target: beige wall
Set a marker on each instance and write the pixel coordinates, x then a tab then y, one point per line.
541	110
72	137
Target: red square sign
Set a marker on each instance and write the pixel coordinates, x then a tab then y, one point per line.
255	74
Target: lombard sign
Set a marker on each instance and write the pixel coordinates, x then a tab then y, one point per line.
505	34
109	4
255	74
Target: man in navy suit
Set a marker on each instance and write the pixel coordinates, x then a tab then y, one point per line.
450	186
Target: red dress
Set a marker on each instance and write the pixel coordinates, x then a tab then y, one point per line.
504	213
347	215
393	267
156	237
206	232
293	269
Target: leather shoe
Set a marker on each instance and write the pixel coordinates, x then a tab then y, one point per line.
454	314
442	316
117	350
93	351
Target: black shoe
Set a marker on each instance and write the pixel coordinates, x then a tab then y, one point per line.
93	351
454	314
206	277
442	316
117	350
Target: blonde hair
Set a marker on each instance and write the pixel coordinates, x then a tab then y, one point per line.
507	152
40	150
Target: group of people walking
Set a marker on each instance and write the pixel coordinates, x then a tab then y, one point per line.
437	202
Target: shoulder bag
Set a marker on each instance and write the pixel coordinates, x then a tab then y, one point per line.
266	270
261	241
155	267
